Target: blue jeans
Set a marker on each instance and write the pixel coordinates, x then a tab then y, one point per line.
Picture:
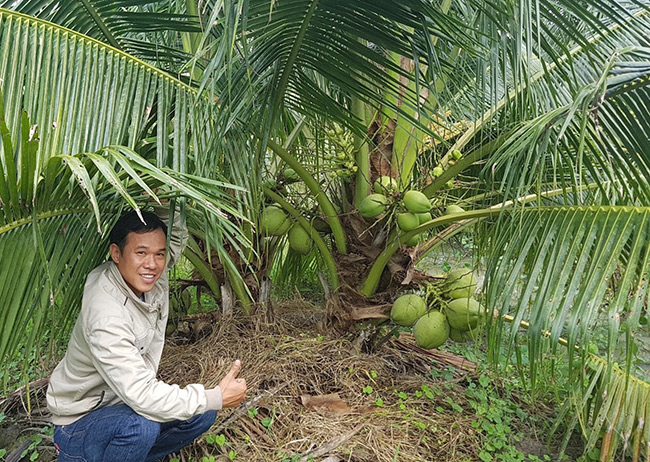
118	433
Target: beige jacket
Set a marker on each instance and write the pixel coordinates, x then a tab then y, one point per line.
115	348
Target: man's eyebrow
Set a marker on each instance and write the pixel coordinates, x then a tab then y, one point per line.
146	247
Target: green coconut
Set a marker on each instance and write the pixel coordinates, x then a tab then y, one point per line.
453	208
431	330
416	202
291	175
424	217
464	314
437	171
274	221
407	221
460	283
407	309
373	205
456	154
270	183
412	241
384	184
299	240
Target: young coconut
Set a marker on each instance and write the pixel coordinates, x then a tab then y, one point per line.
407	309
431	330
274	222
416	202
459	336
407	221
424	217
385	184
460	283
464	314
453	208
373	205
299	240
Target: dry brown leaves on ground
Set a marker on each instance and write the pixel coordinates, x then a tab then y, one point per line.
312	397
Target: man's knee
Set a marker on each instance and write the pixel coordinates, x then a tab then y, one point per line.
201	423
140	430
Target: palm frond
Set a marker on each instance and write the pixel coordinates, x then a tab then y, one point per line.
148	30
577	272
576	264
601	136
275	58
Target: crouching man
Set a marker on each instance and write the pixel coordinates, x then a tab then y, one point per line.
106	402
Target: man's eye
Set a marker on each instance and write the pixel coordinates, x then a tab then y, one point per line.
140	252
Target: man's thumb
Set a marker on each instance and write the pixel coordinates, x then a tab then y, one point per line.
234	370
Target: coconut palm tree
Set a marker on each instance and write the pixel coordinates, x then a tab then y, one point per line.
545	100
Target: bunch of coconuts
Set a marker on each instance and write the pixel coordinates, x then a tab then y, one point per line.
275	222
458	317
413	208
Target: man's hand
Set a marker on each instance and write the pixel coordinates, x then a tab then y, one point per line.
233	390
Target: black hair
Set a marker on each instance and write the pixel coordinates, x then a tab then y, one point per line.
131	223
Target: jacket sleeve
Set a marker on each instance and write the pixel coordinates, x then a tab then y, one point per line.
117	359
178	230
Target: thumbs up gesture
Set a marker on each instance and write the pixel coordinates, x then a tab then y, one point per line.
233	390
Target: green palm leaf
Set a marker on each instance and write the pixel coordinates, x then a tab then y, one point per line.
142	28
576	264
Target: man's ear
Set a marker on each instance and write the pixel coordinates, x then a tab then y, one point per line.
116	253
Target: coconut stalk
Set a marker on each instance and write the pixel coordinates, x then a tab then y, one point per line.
371	282
362	154
369	286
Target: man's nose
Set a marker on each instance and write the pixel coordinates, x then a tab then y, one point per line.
150	261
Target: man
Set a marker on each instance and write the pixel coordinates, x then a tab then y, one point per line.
106	402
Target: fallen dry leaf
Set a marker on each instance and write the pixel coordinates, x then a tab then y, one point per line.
331	404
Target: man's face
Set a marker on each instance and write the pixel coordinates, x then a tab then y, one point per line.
143	260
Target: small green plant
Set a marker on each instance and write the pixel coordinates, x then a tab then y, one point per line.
420	425
208	459
367	390
453	405
232	455
219	440
297	458
534	458
32	449
267	422
495	418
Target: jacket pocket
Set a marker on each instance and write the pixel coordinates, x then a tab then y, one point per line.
143	341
